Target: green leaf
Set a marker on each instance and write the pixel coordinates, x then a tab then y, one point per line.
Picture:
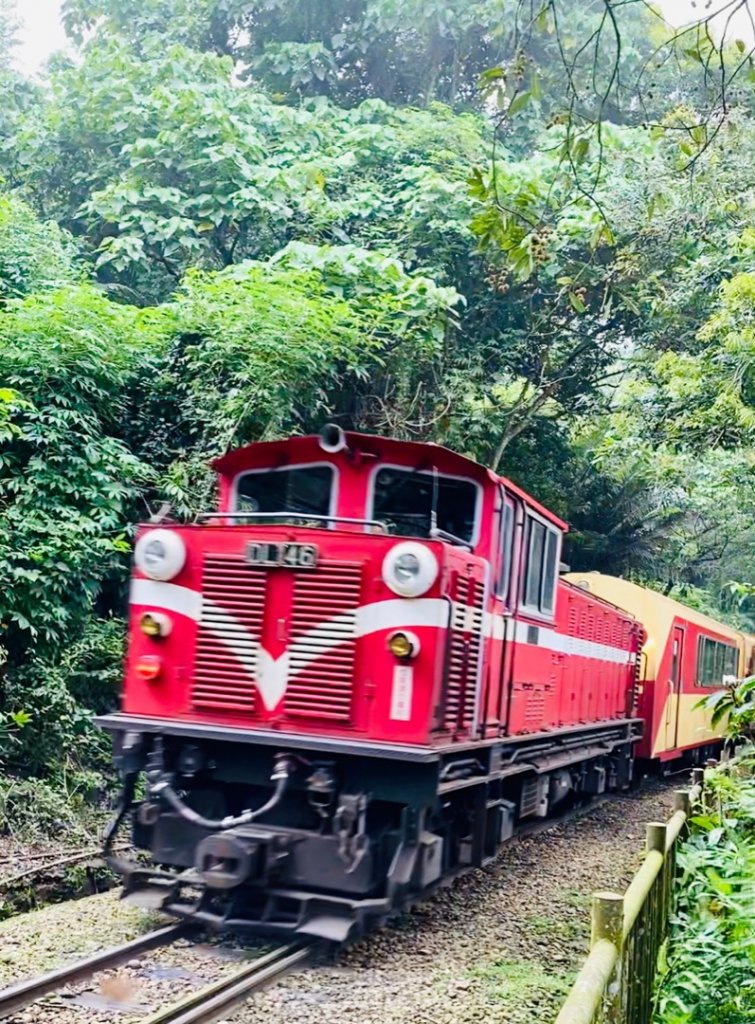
519	102
580	149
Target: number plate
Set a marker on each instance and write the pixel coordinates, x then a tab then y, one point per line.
289	556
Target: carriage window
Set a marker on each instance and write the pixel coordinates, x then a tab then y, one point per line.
714	661
506	551
303	491
542	553
404	499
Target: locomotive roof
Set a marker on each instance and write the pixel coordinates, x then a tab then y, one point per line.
414	453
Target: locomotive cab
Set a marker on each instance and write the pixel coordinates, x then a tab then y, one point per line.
313	599
350	680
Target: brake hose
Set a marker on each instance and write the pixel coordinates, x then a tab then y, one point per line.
124	806
280	776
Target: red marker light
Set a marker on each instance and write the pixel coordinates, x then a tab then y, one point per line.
149	667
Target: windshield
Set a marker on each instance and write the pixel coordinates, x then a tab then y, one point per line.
403	500
300	492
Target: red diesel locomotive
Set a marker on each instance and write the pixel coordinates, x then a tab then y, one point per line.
353	679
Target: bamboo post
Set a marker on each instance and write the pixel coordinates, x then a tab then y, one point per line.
655	840
681	801
655	837
608	925
698	779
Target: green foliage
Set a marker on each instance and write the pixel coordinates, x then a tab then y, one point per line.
32	807
264	349
350	50
158	162
68	481
734	706
707	971
33	256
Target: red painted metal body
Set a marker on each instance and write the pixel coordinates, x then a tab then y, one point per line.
305	651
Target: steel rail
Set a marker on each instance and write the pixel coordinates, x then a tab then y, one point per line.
30	989
214	1001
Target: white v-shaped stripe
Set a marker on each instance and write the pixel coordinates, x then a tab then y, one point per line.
270	675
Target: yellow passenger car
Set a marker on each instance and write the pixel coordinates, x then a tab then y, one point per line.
686	655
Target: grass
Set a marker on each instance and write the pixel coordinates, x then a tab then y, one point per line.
570	930
528	992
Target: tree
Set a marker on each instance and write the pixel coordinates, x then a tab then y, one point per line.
163	162
9	26
34	256
68	482
408	52
260	350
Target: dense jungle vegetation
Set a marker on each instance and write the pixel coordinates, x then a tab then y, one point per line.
524	230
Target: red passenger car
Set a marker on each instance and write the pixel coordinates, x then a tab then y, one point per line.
686	655
354	678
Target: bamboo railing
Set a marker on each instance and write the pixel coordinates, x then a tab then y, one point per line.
615	985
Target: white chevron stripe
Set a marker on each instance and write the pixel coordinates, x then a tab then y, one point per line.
168	597
270	675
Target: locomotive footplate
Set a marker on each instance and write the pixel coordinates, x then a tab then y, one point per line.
269	911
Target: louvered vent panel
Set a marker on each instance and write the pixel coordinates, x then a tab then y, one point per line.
572	620
233	606
534	715
322	648
466	646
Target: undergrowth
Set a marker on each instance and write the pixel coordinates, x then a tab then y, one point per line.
707	970
56	771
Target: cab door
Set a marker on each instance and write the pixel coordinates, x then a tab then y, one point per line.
673	701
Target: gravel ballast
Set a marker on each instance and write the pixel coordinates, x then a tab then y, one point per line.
499	945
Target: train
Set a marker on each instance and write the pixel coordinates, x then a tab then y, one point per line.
362	670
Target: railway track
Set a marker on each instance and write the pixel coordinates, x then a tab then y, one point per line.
215	1000
200	1007
31	989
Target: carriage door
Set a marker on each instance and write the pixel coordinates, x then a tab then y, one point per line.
674	687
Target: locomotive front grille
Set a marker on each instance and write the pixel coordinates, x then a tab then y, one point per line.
233	609
323	645
319	609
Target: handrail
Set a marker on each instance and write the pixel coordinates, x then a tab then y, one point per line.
289	515
581	1003
615	983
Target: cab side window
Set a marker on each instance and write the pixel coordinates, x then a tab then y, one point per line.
541	545
506	552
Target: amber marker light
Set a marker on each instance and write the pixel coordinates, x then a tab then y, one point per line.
403	645
149	668
155	624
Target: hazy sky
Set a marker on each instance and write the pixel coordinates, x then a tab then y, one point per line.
42	32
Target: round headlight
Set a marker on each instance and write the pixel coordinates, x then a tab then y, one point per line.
410	569
160	554
406	567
